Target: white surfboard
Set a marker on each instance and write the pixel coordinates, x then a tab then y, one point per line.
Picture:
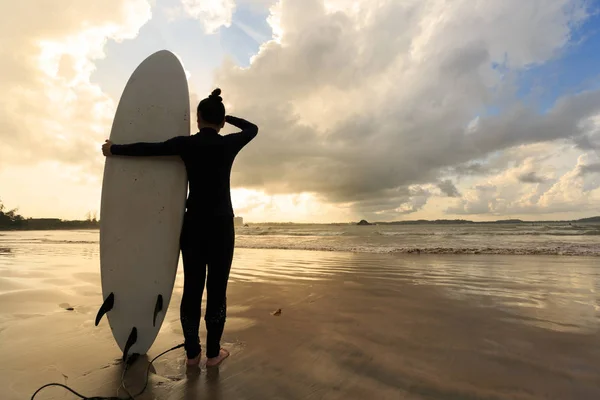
143	204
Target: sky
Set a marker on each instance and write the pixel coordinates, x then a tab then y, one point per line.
367	109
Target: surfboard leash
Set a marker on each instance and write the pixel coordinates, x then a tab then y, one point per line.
128	363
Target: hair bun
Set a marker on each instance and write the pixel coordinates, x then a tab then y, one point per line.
216	95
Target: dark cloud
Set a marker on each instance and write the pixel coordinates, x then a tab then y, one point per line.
448	188
531	177
589	169
471	168
584	142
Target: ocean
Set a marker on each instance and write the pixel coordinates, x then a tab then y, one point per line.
580	239
565	239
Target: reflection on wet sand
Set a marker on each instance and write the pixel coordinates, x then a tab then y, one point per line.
352	326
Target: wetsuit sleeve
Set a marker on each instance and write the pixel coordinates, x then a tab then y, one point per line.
171	147
240	139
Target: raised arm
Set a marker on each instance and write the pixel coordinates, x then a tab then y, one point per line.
171	147
240	139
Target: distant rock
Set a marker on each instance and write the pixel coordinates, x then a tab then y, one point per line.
363	222
592	219
508	221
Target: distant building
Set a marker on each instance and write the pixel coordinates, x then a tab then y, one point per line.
238	221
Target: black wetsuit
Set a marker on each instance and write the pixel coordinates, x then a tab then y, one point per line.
208	235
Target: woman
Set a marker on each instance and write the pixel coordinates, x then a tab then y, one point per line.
207	236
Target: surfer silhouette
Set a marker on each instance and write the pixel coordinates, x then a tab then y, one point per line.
208	235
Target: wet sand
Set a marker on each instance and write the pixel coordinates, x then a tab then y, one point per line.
353	326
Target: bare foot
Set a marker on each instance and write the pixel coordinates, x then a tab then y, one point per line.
214	361
193	362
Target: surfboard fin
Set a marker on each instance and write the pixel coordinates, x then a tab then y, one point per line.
130	342
108	305
157	308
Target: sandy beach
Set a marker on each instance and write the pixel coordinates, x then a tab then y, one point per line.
352	326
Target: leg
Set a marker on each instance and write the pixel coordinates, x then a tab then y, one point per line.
194	271
219	265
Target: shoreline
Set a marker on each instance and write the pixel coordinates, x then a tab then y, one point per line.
53	226
435	252
582	246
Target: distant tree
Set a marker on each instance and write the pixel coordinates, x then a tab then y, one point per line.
9	218
91	216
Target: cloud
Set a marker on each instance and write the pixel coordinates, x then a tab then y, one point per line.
359	101
520	191
371	107
591	139
49	109
448	188
589	169
470	168
572	191
531	177
482	199
213	14
257	5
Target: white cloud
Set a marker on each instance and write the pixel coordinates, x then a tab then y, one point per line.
358	101
573	191
258	4
213	14
49	109
559	187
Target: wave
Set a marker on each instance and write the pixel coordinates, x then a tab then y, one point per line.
71	241
578	233
287	233
58	241
593	251
276	232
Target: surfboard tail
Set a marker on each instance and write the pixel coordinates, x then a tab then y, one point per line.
130	342
106	306
157	308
